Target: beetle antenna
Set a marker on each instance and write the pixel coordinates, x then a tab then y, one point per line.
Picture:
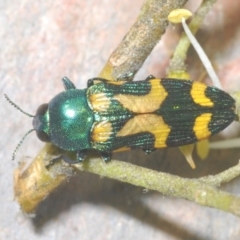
20	143
16	106
29	115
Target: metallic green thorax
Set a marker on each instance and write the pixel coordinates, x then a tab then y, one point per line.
70	120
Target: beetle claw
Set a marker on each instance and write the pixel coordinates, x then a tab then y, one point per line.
126	76
91	82
150	77
106	156
81	155
68	160
148	151
59	158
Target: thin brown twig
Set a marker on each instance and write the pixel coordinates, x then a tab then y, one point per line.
138	43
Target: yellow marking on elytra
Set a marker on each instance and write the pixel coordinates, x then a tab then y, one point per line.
200	127
99	102
147	123
199	96
145	103
101	131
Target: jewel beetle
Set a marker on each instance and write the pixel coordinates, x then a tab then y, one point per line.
111	116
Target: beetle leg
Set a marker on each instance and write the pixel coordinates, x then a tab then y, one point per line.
90	81
126	77
59	158
150	77
148	151
106	156
81	155
68	84
68	160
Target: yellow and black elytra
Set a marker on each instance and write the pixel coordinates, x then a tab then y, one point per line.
113	116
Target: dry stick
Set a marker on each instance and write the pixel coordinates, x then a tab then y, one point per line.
193	190
136	46
223	177
225	144
38	182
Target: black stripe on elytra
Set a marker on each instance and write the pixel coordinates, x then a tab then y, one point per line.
144	140
221	119
132	88
219	98
179	112
223	111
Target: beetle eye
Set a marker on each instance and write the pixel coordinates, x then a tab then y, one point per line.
43	136
42	109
